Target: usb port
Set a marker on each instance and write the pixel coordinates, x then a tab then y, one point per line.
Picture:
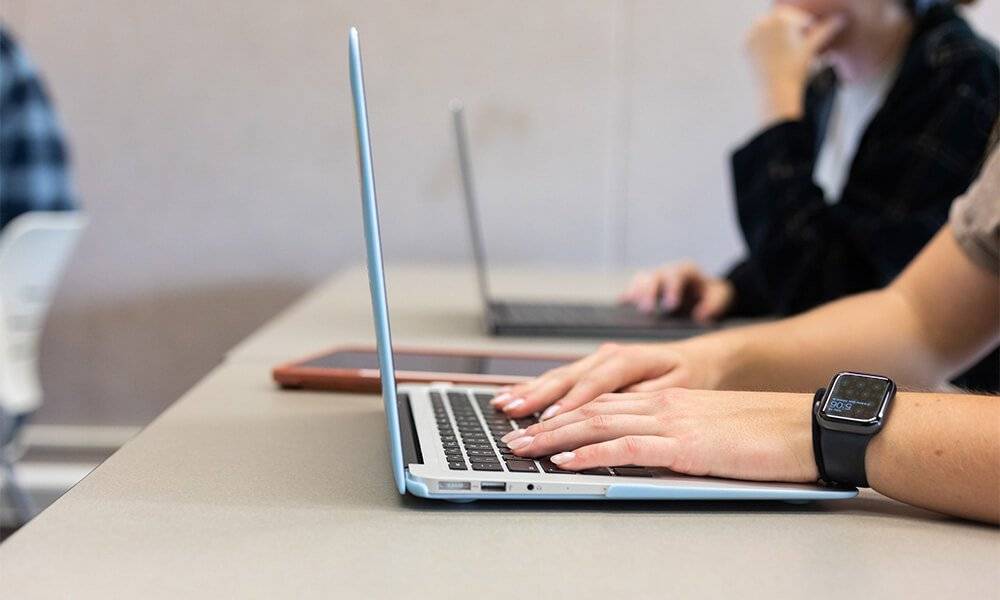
493	486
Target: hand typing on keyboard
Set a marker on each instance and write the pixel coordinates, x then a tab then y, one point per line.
680	287
480	439
614	367
744	435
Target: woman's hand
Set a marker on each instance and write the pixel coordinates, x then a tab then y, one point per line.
677	284
633	367
783	46
740	435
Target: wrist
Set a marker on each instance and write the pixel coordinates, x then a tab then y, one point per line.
783	101
717	357
801	439
733	358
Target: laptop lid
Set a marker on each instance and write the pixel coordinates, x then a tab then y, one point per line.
469	194
376	277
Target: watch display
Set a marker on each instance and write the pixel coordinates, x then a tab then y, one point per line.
857	397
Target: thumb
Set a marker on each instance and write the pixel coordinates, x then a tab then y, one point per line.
823	31
710	307
675	378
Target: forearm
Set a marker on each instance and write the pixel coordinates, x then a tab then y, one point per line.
937	317
940	452
873	332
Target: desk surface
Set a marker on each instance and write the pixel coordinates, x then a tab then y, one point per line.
242	490
436	306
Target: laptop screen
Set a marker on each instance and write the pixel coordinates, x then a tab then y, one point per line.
376	277
469	194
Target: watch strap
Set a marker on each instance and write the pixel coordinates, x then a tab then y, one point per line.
818	434
843	456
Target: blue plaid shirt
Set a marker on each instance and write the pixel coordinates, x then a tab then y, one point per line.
34	162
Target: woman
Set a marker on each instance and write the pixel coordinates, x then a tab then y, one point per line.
856	166
938	451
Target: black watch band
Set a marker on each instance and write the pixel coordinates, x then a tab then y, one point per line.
844	457
846	416
818	435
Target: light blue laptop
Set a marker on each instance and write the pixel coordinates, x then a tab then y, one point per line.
444	441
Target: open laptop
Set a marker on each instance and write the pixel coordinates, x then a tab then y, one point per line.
505	317
444	440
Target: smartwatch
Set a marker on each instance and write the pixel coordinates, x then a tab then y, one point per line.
846	416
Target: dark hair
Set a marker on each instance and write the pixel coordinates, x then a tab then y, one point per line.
918	7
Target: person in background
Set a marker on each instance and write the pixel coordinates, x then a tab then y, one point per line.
34	161
856	164
935	450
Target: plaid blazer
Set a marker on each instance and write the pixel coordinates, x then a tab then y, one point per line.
34	163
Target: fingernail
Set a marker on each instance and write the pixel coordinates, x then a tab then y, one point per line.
500	399
563	457
513	435
520	442
514	404
550	412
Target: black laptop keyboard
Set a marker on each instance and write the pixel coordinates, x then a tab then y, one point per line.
471	441
571	314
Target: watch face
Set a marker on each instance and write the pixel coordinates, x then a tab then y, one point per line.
857	397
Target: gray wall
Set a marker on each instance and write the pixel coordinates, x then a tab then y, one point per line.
215	154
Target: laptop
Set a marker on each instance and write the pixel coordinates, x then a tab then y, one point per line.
444	439
504	317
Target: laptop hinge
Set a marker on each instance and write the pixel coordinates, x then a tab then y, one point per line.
408	432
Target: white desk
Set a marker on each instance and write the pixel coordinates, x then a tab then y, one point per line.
242	490
429	306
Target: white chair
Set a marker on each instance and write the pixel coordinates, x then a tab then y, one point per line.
34	249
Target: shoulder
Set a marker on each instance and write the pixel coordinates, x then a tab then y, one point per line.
975	217
20	83
944	41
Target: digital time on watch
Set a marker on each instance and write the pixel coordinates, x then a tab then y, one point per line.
846	416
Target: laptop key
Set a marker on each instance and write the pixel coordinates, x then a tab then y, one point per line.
550	467
487	467
458	398
457	466
632	472
521	466
477	452
597	471
471	446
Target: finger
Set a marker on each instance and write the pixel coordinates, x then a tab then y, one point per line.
645	290
631	290
571	371
622	404
551	386
819	36
676	283
711	305
613	373
673	379
793	15
644	450
547	391
599	428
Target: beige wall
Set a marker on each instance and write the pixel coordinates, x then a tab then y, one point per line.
214	151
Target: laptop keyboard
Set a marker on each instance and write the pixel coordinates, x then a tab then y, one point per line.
571	314
470	439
